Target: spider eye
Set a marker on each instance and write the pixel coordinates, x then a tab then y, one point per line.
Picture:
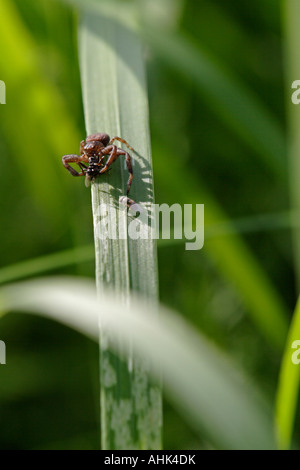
88	146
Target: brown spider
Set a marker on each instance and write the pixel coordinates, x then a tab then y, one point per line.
93	151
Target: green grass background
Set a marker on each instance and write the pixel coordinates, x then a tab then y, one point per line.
218	117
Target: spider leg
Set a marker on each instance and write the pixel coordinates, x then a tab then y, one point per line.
129	168
66	159
82	144
111	150
121	140
101	157
83	167
115	152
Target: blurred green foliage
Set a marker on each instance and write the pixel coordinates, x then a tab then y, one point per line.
238	289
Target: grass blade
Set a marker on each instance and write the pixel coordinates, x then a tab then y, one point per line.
205	386
288	386
44	264
115	102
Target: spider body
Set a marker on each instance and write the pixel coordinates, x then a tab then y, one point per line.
93	151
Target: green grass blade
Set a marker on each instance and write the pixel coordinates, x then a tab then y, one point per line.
205	386
115	102
44	264
288	386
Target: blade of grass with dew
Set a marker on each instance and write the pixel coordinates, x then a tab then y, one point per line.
288	386
212	394
115	102
291	18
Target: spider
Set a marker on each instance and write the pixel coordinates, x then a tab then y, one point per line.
92	152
